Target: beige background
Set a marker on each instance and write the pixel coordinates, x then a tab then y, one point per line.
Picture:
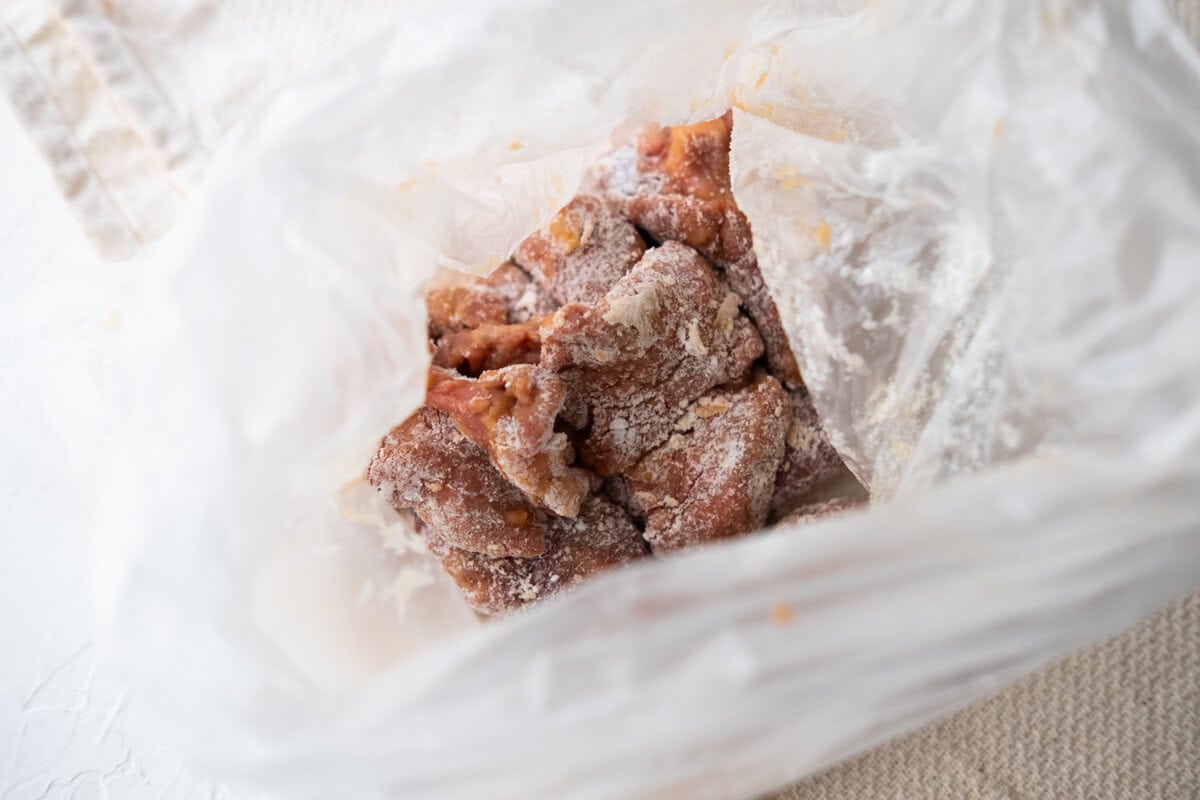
1119	721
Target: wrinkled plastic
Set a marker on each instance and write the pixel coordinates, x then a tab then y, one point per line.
982	223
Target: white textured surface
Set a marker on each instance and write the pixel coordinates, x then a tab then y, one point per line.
66	730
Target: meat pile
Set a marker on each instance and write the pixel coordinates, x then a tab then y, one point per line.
623	386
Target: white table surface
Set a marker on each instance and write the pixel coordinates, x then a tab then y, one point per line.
66	728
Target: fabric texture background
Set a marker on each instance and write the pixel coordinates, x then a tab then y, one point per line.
1118	721
127	100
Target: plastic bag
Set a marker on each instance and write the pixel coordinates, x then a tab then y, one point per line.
982	222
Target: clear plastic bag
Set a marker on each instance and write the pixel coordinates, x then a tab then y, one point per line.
982	223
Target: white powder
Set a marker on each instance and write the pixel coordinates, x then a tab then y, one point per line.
693	343
620	171
408	581
638	311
